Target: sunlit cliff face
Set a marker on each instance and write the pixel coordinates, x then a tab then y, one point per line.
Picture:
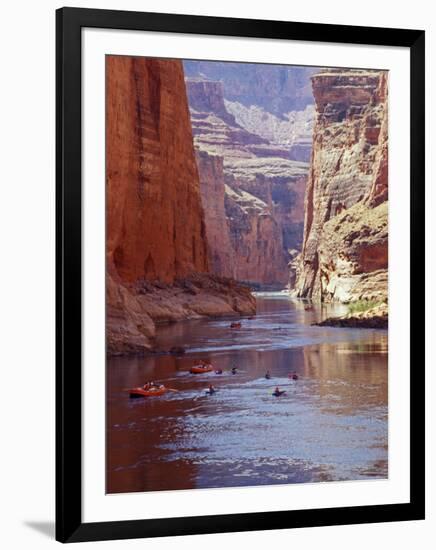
345	248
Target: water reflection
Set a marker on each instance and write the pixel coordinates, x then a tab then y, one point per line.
330	425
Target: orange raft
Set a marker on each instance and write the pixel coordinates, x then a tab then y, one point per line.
140	392
199	369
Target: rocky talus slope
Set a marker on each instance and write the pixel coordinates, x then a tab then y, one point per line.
263	191
157	252
345	247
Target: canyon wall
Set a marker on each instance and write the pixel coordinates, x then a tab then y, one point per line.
212	185
345	245
152	178
263	188
157	251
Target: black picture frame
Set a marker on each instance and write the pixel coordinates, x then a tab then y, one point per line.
69	525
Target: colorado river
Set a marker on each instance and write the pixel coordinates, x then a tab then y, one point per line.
330	425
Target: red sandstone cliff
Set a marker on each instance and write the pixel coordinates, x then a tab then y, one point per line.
152	179
157	252
345	248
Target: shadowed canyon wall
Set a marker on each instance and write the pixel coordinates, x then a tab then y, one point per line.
157	252
345	247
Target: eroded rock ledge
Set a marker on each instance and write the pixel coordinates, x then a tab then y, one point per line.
376	317
135	310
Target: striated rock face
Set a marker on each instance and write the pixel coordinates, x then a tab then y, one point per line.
345	247
157	252
256	239
207	96
154	214
221	254
263	191
245	239
353	255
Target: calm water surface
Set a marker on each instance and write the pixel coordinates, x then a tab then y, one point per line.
330	425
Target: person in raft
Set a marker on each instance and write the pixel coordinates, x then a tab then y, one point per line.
293	375
211	390
267	375
278	392
151	386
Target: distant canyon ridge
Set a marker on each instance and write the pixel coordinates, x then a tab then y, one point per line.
225	176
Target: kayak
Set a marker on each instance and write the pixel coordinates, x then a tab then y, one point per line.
198	369
140	392
278	393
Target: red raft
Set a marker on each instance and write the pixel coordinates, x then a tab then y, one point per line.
140	392
198	369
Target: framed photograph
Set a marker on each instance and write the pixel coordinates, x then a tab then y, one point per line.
240	252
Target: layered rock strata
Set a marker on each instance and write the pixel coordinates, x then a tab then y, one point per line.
345	245
278	89
290	133
155	221
256	239
263	191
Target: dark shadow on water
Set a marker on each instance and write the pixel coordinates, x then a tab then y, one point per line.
46	528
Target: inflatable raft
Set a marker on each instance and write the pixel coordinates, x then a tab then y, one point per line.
140	392
199	369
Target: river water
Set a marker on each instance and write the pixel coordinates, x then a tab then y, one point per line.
330	425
